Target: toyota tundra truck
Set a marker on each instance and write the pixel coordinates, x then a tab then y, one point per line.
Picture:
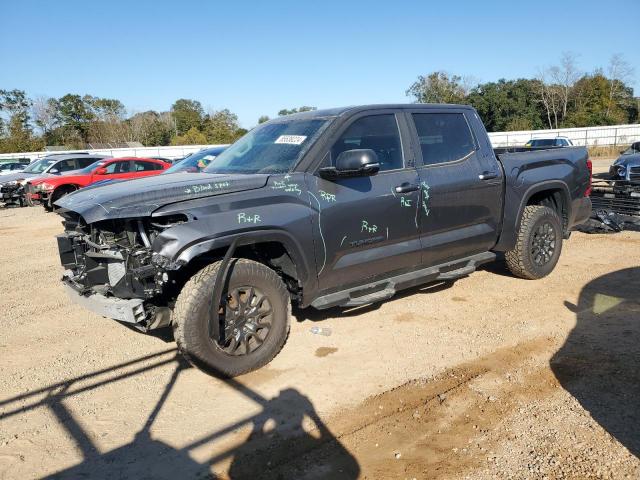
338	207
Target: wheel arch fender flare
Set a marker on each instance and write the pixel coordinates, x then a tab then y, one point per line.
513	217
293	248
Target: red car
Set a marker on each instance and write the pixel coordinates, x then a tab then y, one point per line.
50	189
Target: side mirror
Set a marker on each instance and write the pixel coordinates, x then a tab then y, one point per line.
353	163
55	171
100	171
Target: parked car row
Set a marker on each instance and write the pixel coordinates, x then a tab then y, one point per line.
50	178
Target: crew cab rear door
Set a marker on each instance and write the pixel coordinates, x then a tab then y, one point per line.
367	225
461	186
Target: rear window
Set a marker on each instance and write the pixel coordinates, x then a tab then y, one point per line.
444	137
543	142
142	166
85	162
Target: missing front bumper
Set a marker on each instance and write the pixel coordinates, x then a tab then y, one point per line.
129	311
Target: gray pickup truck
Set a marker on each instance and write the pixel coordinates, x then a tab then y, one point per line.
327	208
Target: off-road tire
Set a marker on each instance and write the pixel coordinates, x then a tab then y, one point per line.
191	318
520	260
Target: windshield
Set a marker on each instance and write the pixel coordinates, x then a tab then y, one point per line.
196	162
40	166
634	148
90	168
273	147
542	143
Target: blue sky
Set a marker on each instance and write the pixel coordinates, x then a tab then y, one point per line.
256	57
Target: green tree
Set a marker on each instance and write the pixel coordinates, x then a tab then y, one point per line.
192	137
508	105
17	135
263	119
152	128
187	114
74	114
592	104
104	108
222	127
438	87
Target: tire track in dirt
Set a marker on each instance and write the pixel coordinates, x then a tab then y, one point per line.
428	428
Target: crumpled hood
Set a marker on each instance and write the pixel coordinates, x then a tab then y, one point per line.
631	160
140	197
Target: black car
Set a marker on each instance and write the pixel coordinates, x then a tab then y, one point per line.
339	207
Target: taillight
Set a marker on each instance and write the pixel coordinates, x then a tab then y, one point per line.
587	192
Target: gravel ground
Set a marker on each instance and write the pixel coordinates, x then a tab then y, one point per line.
489	377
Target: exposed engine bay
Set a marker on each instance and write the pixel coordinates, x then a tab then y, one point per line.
114	258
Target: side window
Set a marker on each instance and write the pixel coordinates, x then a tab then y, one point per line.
376	132
117	167
65	165
444	137
85	162
142	166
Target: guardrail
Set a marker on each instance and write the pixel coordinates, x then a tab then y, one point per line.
172	152
613	135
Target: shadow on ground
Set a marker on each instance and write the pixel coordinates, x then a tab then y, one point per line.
599	364
274	448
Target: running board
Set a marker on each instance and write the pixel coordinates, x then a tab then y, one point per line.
381	290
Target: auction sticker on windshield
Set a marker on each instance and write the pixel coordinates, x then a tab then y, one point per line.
291	139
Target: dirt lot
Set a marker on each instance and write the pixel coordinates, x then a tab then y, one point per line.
489	377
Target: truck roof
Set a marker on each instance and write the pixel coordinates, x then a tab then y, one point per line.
337	111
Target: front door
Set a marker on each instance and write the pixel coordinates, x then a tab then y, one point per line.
367	226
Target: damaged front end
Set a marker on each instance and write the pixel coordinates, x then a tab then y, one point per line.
112	270
12	193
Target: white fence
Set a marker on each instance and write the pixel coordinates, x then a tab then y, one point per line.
613	135
590	136
166	152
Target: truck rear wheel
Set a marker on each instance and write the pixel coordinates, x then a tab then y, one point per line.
538	245
253	315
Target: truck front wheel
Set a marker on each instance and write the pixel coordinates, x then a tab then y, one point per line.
538	245
253	318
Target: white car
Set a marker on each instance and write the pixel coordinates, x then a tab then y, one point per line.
12	167
550	142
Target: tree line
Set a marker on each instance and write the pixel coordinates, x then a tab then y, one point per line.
78	122
558	96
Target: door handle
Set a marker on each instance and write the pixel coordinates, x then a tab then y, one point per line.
487	175
406	188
